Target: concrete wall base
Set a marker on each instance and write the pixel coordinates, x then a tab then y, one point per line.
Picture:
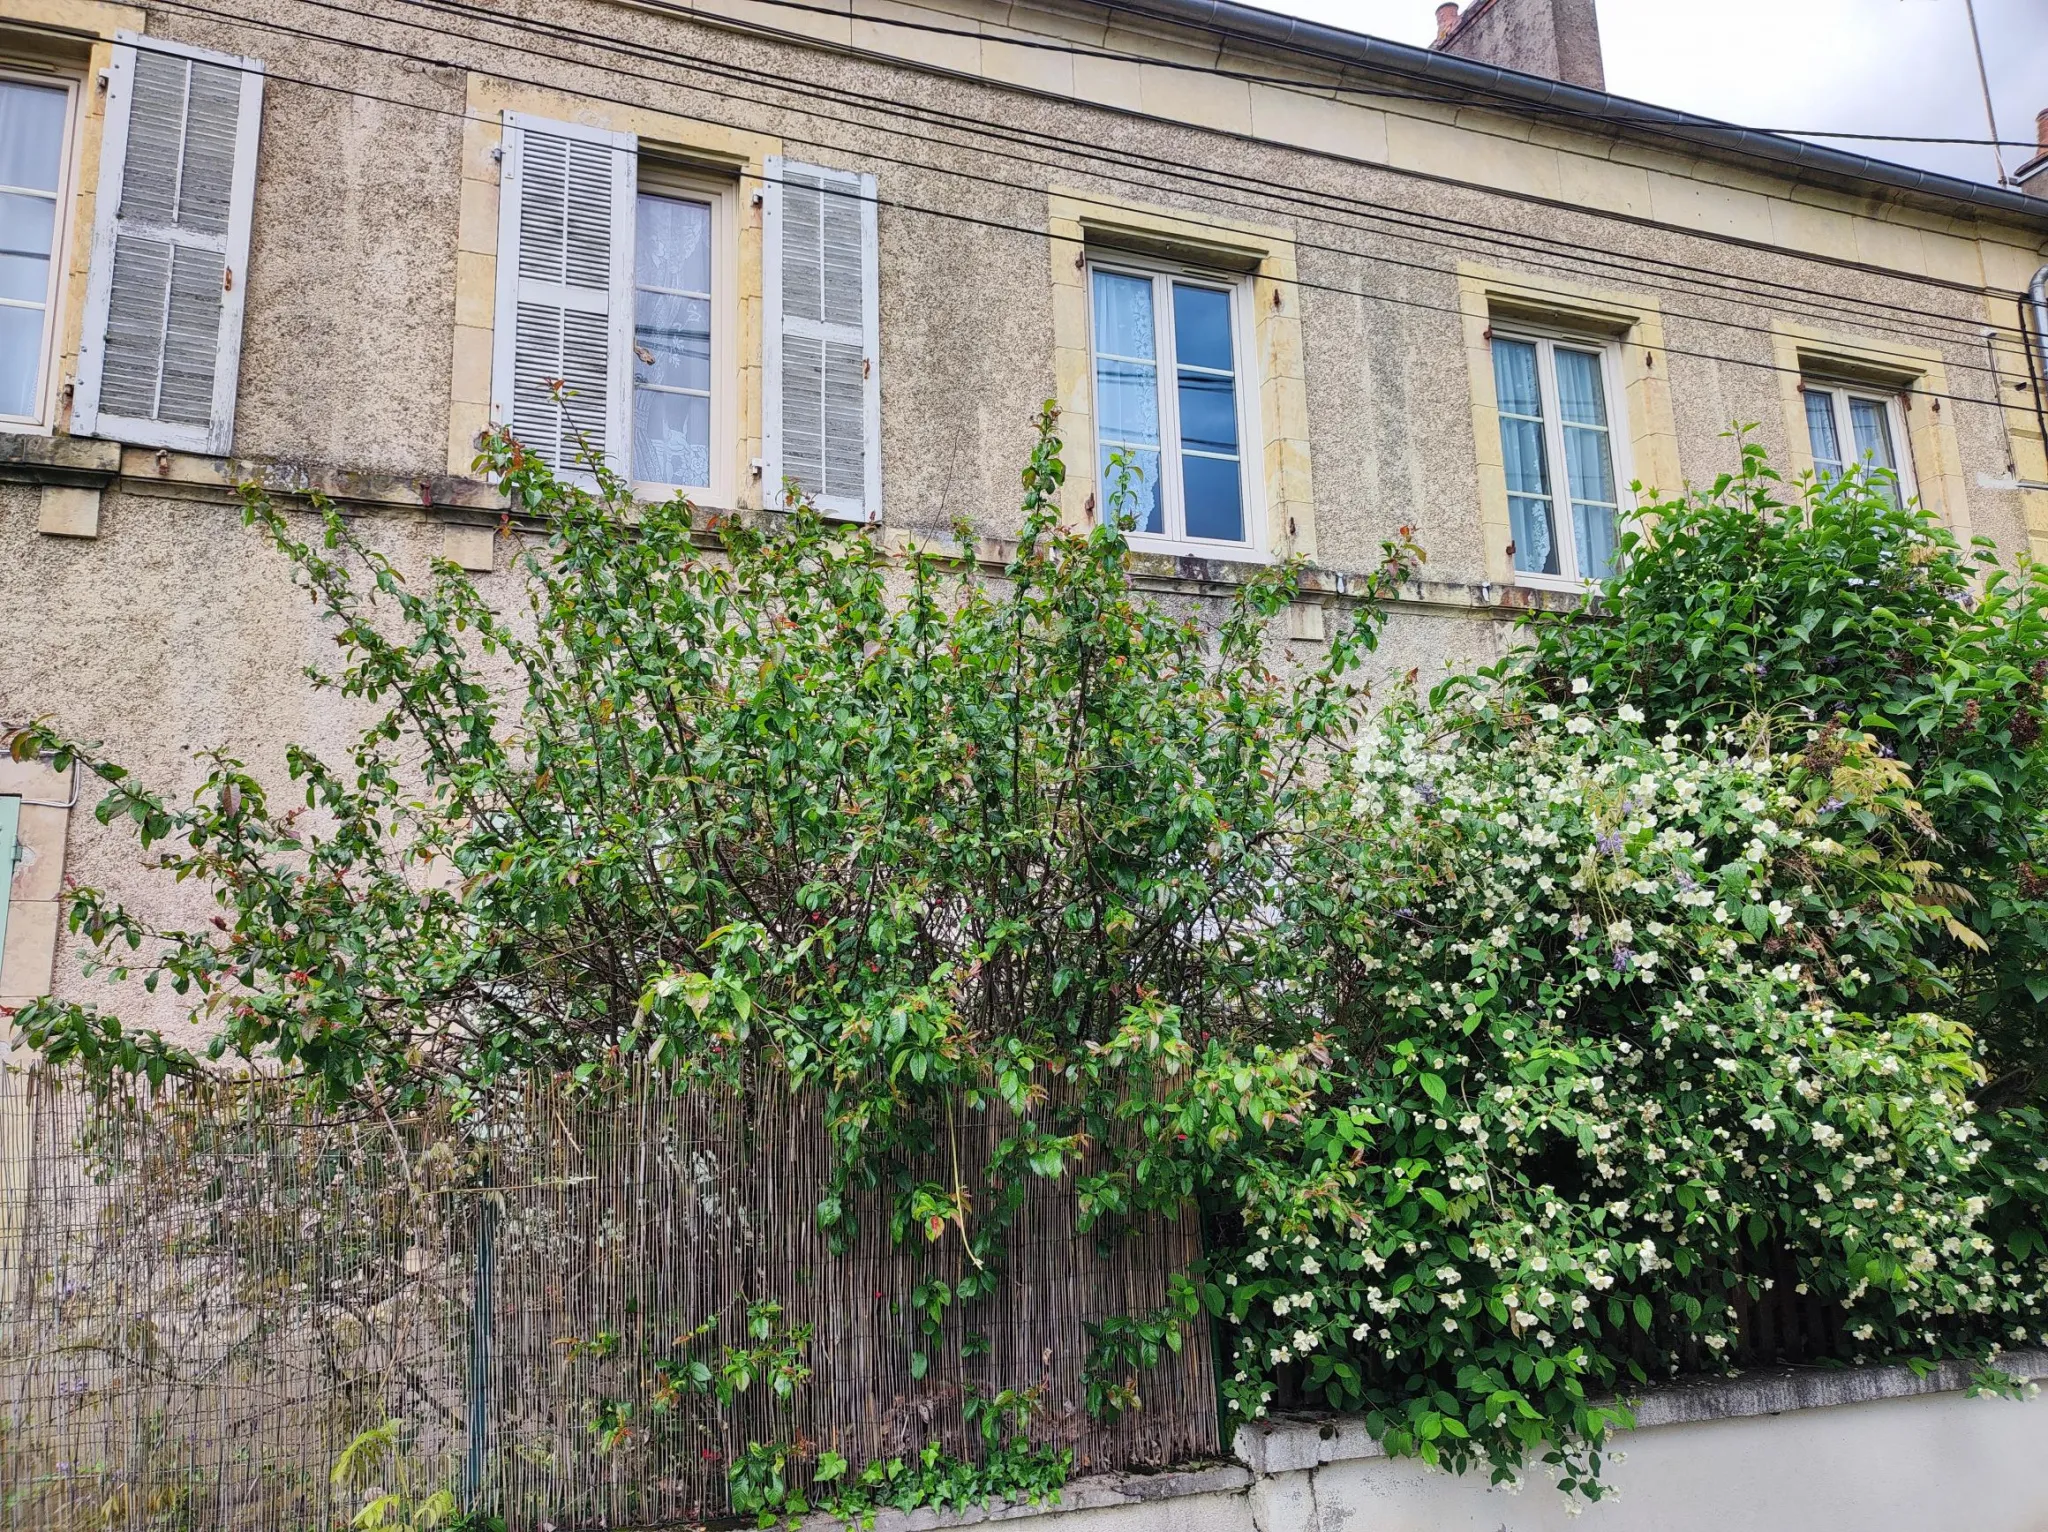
1794	1450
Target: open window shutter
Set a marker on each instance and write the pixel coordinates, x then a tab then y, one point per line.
162	340
565	292
822	418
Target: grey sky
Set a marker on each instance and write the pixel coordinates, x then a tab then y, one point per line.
1865	66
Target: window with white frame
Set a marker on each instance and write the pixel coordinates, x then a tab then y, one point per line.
682	371
1173	407
615	326
35	170
1850	427
1562	453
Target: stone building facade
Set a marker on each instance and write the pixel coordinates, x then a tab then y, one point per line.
1319	286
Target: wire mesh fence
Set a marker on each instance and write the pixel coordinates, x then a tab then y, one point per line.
208	1292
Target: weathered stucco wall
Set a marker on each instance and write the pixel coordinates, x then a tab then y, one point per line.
174	630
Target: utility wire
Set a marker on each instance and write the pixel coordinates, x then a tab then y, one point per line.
1034	232
1442	94
726	70
1572	257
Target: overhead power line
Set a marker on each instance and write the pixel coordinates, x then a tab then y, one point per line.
1035	232
1566	255
1572	256
1576	253
1442	94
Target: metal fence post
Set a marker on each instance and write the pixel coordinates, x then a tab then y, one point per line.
480	1346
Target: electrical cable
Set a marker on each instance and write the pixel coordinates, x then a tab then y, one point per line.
1033	232
675	58
1965	329
1572	257
1457	96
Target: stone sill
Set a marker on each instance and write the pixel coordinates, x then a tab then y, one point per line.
472	506
71	462
1294	1442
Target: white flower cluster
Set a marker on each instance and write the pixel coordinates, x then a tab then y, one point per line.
1614	984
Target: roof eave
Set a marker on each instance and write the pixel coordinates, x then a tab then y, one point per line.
1793	157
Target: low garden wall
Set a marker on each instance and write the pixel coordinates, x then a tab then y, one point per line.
1784	1450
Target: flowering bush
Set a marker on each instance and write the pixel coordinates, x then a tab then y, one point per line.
1617	1076
1776	609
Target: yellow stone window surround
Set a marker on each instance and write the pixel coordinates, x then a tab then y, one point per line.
710	149
1080	223
1916	374
1630	321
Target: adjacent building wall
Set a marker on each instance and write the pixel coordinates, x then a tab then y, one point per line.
1558	39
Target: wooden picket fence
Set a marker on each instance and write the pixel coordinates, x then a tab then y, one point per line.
206	1293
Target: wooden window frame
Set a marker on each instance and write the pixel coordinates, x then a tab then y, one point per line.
1546	339
1839	392
659	177
43	421
1163	273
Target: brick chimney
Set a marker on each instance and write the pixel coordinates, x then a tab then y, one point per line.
1557	39
2032	177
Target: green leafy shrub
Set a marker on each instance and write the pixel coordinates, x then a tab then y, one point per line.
1782	612
1505	1052
1619	1072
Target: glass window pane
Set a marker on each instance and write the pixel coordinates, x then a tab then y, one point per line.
1127	403
1131	496
1588	465
1869	419
1215	501
672	340
1208	412
1593	528
31	134
26	277
1201	328
672	244
1123	316
1521	446
28	225
1535	547
671	438
1820	430
1514	378
1581	390
21	360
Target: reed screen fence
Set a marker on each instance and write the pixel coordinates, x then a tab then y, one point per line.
207	1292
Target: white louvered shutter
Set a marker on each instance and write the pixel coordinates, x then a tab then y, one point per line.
822	417
565	292
162	340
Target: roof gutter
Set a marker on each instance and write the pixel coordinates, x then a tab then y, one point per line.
1245	23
